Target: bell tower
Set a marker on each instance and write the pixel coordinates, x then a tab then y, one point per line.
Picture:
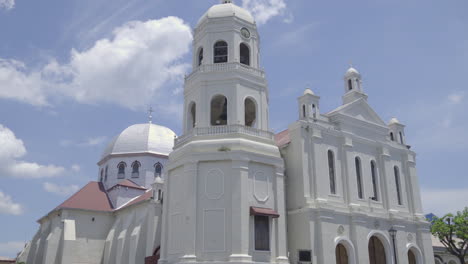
224	200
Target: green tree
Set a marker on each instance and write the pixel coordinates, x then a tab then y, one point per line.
452	231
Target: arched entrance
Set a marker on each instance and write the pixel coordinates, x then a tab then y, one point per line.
411	257
376	251
341	254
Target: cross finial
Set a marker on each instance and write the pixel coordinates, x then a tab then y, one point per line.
150	114
350	63
307	85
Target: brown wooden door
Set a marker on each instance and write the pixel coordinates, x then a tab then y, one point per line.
341	254
411	257
376	251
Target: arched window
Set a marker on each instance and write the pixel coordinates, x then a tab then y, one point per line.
350	84
359	177
136	169
250	109
102	175
397	184
303	111
157	170
121	168
192	115
244	54
107	170
200	57
376	251
331	171
219	110
220	52
411	257
159	195
341	254
392	138
401	138
374	180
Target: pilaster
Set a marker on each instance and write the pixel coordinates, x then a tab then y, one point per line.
240	212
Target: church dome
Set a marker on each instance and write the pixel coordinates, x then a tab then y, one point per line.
352	72
227	9
142	138
394	120
308	91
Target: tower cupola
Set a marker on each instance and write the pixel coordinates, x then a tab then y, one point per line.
308	105
352	86
227	87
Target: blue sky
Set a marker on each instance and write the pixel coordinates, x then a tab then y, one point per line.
70	80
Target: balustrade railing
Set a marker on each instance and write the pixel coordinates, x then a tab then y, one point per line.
225	67
223	130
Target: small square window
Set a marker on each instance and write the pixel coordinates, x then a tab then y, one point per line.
305	256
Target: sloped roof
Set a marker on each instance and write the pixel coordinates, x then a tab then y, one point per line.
128	183
144	197
91	197
282	138
358	109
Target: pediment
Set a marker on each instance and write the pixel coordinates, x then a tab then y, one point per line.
360	110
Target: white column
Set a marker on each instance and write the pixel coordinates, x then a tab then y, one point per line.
190	177
240	212
281	250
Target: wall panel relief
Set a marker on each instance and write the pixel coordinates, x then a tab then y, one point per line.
214	184
261	181
214	233
176	233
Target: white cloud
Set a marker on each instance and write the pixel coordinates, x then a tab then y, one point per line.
7	206
63	190
456	98
438	124
88	142
18	84
7	4
139	64
75	168
11	146
12	149
10	249
443	201
264	10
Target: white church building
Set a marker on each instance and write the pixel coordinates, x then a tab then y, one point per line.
338	187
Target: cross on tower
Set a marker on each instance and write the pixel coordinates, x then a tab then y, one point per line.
150	114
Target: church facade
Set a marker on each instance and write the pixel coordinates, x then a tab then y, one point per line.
338	187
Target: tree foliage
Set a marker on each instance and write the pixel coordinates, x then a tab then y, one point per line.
452	231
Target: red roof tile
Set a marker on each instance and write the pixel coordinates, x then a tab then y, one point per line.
282	138
128	183
91	197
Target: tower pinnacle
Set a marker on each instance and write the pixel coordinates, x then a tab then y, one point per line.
150	114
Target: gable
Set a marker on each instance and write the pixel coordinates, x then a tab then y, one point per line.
358	109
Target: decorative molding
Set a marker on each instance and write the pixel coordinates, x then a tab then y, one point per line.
209	226
261	197
340	230
214	184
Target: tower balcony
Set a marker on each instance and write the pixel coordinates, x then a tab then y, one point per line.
225	67
224	131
